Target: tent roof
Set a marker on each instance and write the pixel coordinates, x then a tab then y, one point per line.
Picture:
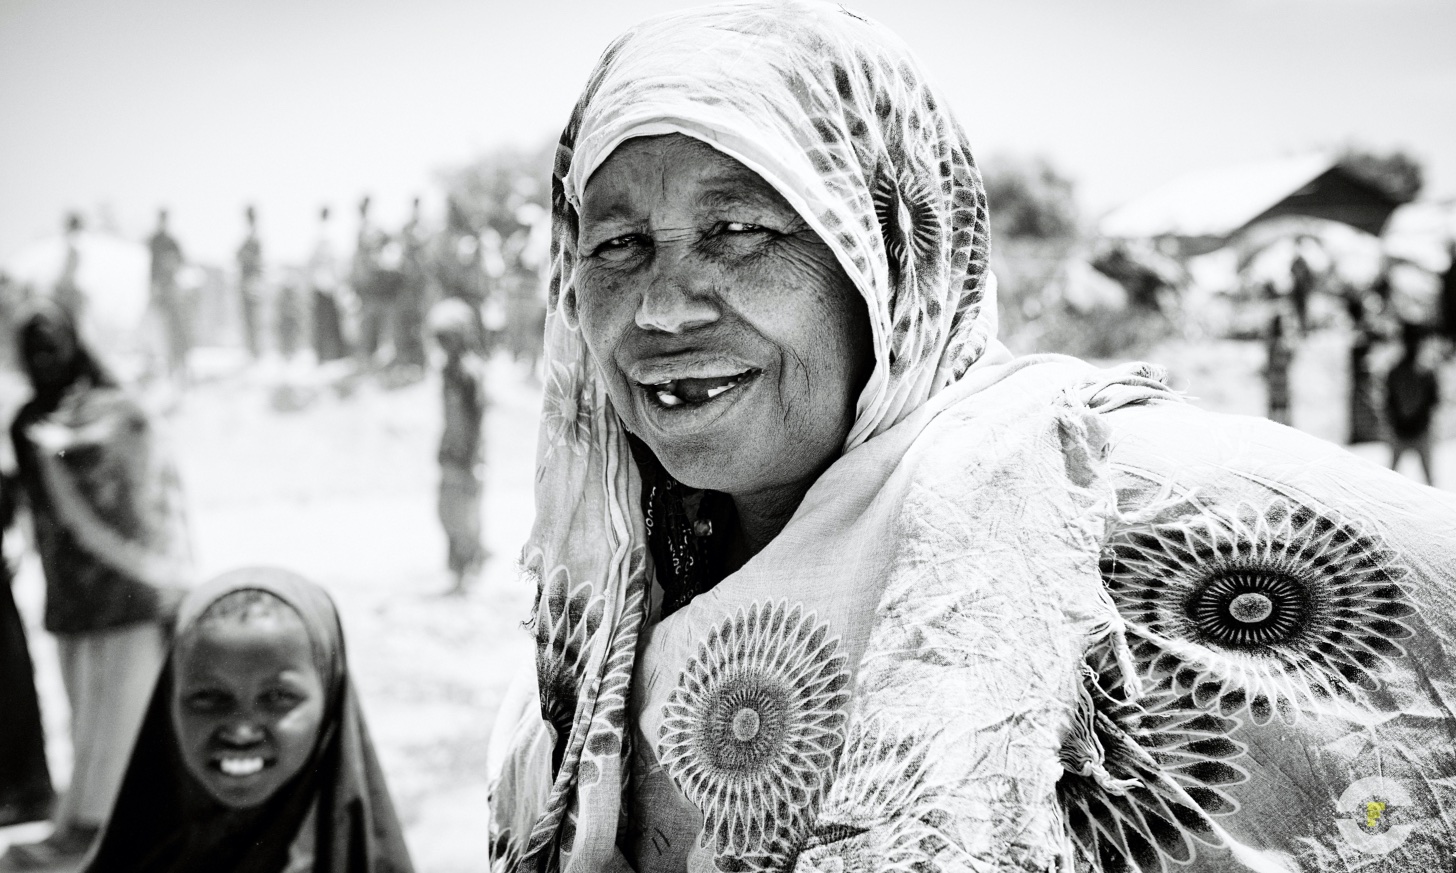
1216	202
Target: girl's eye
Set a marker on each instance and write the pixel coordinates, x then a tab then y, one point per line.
207	702
279	699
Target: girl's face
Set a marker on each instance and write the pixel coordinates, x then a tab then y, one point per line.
247	706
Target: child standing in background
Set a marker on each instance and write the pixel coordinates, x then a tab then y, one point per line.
1412	394
462	445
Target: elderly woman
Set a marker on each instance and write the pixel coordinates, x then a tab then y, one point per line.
828	581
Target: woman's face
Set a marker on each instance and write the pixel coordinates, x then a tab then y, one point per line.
731	340
247	706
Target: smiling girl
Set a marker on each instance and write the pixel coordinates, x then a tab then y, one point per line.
254	755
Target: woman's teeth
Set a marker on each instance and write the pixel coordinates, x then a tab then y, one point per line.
679	392
240	766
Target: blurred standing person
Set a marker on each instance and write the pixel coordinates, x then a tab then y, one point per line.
462	443
323	276
68	288
409	321
1363	309
1448	294
105	506
1276	369
250	285
289	315
25	780
365	277
461	266
1412	394
168	307
1301	285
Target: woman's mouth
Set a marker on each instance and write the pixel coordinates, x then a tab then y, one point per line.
240	766
675	393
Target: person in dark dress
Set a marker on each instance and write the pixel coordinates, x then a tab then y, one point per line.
1412	394
25	780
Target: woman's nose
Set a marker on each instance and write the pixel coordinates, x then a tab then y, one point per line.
241	733
678	299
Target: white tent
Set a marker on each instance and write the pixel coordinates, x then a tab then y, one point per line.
1215	202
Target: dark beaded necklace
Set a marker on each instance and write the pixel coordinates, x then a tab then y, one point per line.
686	528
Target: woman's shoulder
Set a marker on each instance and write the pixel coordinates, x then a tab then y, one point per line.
1194	485
1163	442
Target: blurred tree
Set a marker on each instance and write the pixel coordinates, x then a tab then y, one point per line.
1396	172
490	190
1029	198
498	205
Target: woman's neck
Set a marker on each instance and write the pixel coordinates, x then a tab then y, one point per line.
761	516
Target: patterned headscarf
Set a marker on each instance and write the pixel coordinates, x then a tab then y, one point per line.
832	111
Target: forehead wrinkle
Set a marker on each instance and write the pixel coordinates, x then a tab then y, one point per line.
725	192
616	206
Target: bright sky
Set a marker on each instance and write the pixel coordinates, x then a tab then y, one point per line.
205	105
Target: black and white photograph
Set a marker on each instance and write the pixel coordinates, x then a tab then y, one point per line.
695	436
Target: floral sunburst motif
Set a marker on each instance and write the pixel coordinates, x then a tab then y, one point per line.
1183	764
566	411
753	727
568	618
1273	610
908	222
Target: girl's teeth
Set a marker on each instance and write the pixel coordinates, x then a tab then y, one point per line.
240	766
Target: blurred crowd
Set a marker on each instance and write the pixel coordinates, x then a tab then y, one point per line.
1395	401
367	306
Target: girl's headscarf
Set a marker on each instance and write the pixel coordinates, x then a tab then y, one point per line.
164	822
834	112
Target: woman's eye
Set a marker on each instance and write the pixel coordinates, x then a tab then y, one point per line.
618	246
743	227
